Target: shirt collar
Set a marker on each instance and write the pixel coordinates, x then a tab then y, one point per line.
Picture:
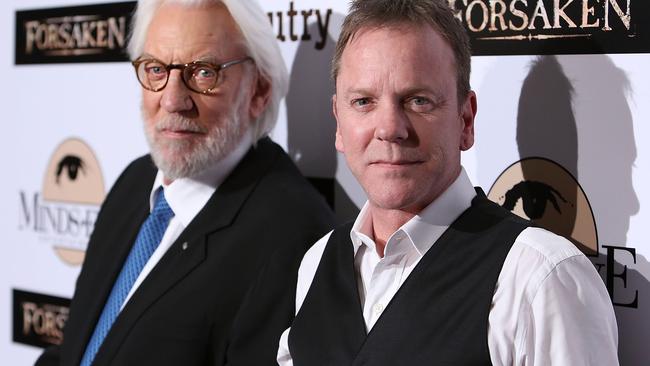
426	227
362	230
187	196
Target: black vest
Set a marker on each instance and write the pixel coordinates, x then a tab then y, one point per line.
438	317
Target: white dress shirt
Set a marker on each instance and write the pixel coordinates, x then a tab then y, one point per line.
186	197
550	306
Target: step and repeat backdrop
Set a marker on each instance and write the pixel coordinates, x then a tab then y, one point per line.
563	91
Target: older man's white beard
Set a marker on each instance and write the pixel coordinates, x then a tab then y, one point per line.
189	157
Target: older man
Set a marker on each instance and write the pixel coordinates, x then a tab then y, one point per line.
431	272
176	267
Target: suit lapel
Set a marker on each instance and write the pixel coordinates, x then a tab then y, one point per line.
189	250
102	267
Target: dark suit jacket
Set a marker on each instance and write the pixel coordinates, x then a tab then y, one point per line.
227	297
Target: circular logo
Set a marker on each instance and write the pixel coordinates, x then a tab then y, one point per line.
73	181
542	191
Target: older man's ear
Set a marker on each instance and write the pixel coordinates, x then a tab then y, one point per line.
261	96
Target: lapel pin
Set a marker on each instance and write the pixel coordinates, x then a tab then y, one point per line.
184	246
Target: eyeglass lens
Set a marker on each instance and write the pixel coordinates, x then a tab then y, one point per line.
200	77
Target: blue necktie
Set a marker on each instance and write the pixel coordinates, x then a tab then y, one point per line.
147	241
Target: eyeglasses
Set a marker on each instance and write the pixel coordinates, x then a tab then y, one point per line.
199	76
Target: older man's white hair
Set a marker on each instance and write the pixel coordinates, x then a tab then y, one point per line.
259	39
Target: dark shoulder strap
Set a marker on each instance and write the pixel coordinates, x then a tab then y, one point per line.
329	328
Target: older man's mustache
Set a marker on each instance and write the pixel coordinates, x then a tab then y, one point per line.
179	124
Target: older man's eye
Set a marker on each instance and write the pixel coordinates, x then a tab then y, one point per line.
205	73
155	71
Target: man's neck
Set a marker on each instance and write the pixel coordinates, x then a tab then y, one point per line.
385	223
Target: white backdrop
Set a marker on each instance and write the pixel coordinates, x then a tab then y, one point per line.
99	103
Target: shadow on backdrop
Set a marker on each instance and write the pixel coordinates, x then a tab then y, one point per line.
601	158
607	151
311	125
598	148
546	127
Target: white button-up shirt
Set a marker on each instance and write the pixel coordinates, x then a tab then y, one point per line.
550	307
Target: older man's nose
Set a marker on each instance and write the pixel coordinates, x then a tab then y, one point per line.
176	96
